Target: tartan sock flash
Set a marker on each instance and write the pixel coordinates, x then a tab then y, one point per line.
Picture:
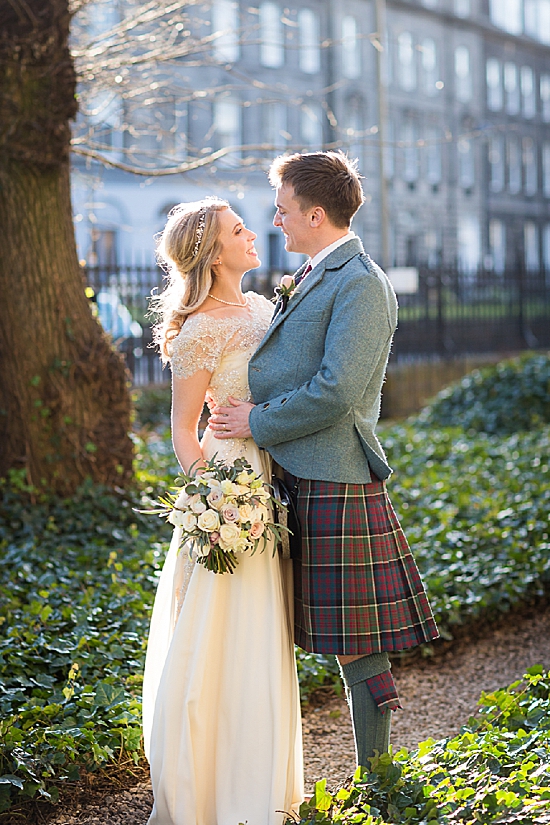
371	726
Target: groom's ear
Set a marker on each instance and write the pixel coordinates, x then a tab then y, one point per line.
317	216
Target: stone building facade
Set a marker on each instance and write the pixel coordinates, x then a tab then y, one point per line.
466	159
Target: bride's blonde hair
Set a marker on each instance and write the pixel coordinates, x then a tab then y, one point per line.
187	248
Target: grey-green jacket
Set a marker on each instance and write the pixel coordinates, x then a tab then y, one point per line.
316	377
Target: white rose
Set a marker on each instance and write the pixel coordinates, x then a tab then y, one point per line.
230	512
175	517
209	521
230	534
245	512
189	521
214	483
260	513
215	498
197	504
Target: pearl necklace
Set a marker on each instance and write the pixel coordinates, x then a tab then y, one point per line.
229	303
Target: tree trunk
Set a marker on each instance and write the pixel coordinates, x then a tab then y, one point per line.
64	399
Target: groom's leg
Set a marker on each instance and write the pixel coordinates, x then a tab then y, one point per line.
368	684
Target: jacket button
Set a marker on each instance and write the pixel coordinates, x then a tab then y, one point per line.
283	400
266	406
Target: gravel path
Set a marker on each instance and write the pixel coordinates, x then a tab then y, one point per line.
438	695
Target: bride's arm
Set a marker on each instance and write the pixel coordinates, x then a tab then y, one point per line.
187	402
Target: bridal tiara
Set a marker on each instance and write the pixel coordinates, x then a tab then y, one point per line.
200	230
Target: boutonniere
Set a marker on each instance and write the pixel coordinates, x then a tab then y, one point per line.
285	290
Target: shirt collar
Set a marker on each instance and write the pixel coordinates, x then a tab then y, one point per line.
328	249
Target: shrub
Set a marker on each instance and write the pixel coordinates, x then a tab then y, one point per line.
476	511
77	583
506	398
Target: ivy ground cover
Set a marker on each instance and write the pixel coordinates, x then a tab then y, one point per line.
497	770
78	580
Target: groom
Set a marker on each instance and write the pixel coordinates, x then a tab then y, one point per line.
316	379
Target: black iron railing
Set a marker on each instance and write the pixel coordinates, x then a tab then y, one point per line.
451	313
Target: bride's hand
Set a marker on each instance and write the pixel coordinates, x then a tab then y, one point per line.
231	422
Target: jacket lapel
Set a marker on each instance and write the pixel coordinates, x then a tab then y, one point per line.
335	260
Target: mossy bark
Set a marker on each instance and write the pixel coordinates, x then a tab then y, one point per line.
64	396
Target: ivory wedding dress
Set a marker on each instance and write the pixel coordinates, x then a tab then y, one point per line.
221	712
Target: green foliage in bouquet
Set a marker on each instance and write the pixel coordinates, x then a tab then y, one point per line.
221	511
506	398
497	770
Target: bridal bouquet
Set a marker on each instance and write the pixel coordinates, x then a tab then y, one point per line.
222	511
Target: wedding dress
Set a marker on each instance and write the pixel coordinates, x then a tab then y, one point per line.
221	712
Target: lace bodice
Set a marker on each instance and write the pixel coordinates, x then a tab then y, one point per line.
222	346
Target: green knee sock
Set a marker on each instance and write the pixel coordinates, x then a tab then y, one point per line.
371	728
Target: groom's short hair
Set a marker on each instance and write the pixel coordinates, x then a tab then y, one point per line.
326	179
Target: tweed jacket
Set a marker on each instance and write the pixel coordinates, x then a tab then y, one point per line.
316	378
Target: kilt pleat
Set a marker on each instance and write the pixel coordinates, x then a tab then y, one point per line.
357	588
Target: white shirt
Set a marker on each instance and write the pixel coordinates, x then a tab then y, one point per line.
328	249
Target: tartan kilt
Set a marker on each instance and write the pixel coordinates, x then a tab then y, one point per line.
357	589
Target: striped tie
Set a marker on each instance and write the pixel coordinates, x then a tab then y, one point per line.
306	271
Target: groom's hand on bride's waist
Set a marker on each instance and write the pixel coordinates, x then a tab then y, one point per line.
231	422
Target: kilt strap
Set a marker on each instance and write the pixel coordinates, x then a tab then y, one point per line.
375	671
384	691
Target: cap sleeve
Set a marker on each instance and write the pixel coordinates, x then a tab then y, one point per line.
199	346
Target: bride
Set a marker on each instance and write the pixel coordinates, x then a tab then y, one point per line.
221	713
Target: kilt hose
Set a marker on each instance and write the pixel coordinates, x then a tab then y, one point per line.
357	589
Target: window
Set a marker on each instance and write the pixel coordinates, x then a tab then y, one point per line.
531	242
151	131
429	66
469	243
546	251
511	88
433	156
496	161
227	127
311	126
494	85
530	166
406	58
514	166
103	247
104	115
531	17
410	151
272	53
507	15
544	21
528	92
462	8
310	57
545	97
225	26
274	124
462	74
537	19
546	169
466	164
351	54
497	245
